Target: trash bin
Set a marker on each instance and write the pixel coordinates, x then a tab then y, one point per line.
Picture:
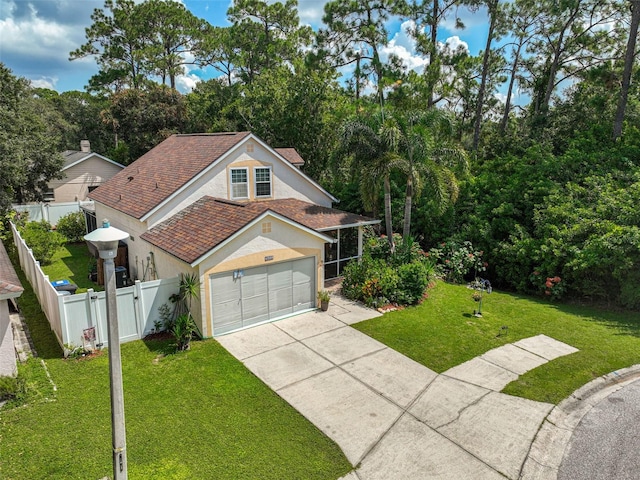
121	277
65	286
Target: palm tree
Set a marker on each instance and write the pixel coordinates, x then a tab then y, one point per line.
373	146
430	158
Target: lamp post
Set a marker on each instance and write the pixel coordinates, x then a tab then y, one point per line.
106	240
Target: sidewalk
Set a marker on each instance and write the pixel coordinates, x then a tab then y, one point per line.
393	417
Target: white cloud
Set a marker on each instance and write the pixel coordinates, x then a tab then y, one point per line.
311	12
403	46
454	43
45	82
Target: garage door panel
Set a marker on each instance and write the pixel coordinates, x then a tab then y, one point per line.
262	293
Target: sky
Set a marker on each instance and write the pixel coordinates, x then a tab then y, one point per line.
36	37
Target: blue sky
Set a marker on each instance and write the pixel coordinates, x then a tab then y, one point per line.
36	37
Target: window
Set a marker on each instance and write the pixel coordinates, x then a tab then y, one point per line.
49	195
263	181
239	183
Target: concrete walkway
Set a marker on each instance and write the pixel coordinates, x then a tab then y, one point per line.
393	417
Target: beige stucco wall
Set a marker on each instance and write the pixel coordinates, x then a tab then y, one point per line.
285	242
77	179
287	182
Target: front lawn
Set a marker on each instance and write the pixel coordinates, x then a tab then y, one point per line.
195	415
442	333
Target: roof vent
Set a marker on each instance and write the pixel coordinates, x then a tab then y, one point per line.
85	146
129	178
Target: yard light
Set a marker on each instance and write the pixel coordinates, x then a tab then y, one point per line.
106	240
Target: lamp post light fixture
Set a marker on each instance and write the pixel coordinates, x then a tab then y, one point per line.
106	240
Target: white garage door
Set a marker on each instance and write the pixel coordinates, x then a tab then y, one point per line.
246	297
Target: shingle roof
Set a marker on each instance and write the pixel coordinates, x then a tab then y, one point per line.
206	223
291	155
160	172
10	286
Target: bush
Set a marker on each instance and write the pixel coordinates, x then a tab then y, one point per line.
381	278
42	240
183	331
455	261
72	226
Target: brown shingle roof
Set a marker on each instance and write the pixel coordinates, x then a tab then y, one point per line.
291	155
206	223
10	286
160	172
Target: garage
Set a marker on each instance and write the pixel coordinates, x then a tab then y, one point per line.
245	297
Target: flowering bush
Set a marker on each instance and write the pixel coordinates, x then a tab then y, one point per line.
455	261
552	287
380	277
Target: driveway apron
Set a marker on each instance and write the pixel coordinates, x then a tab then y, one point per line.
392	417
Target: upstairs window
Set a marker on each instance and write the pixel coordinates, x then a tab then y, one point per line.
239	183
263	181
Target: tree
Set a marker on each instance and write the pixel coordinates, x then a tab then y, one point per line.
117	40
265	35
629	58
431	159
171	33
143	118
29	155
356	30
373	146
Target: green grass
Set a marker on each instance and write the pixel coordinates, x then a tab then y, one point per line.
195	415
72	262
442	333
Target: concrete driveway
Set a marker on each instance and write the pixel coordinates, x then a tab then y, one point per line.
393	417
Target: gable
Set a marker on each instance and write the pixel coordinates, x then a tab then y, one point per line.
184	168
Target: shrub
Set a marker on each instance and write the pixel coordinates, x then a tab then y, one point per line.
72	226
42	240
183	330
413	281
380	277
455	261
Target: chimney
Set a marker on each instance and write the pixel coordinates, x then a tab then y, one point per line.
85	146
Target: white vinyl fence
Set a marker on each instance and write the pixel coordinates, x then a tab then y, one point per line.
70	315
51	212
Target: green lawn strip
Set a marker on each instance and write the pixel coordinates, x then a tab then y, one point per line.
442	333
195	415
72	262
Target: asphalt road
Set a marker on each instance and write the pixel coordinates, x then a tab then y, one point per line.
606	443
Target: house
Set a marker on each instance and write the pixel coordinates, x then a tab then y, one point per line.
10	289
83	171
261	236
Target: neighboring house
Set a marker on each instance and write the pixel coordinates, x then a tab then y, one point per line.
260	235
83	172
10	289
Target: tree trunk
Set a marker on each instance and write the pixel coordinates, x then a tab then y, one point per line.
408	203
432	54
493	6
628	68
387	212
512	81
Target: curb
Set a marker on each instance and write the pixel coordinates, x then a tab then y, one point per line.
550	444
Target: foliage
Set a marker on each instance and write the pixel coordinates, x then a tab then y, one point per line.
29	155
42	240
166	318
380	277
323	296
72	226
455	261
183	330
73	262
